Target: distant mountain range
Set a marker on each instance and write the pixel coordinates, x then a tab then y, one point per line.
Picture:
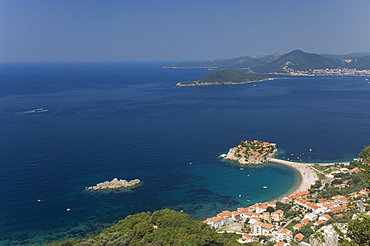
279	63
233	63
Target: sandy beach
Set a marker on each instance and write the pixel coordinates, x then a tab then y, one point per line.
308	175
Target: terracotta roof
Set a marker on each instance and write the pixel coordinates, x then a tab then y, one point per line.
247	235
216	219
305	221
299	236
335	209
267	226
243	210
279	244
326	216
298	225
319	222
255	218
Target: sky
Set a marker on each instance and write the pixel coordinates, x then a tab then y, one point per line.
178	30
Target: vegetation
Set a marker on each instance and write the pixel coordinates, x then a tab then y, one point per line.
365	154
359	231
299	60
163	227
226	77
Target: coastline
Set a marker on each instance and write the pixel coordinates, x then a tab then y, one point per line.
307	175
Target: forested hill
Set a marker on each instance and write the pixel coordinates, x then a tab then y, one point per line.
299	60
226	77
161	228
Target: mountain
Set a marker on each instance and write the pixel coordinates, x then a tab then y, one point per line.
359	62
234	63
226	77
299	60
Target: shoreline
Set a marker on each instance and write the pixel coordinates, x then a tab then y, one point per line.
307	175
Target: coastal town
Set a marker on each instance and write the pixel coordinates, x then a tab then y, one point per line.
251	152
328	71
315	213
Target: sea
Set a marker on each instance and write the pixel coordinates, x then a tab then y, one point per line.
66	126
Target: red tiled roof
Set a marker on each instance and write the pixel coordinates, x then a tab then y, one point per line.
216	219
267	226
299	236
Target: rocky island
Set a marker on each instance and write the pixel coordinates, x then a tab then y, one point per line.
226	77
114	184
251	152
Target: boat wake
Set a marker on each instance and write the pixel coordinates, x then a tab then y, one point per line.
34	111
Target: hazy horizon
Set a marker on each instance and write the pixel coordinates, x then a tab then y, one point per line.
73	31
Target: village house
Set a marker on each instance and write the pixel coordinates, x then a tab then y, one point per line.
216	222
246	238
324	217
297	226
281	235
299	237
278	215
262	229
266	216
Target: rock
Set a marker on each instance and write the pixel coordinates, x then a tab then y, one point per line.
114	184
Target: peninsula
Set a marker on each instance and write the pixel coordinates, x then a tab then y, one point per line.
114	184
226	77
251	152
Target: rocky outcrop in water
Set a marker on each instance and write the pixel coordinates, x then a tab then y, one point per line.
114	184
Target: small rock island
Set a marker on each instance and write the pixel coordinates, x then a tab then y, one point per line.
251	152
226	77
114	184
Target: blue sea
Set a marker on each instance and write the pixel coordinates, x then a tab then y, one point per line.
98	121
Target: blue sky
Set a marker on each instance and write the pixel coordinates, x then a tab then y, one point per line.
146	30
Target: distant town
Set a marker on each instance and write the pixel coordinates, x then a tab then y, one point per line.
328	71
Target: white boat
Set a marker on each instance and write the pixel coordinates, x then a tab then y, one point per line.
265	187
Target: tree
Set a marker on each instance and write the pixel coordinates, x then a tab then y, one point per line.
359	230
365	153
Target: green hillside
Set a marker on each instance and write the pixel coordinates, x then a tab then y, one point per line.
278	63
360	62
226	77
299	60
160	228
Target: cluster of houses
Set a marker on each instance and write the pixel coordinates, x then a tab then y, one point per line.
271	222
327	71
251	152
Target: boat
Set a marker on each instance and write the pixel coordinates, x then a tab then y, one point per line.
265	187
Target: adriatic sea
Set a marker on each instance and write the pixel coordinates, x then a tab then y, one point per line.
65	126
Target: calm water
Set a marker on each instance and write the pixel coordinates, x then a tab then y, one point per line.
128	120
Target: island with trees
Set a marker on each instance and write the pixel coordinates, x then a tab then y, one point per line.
251	152
226	77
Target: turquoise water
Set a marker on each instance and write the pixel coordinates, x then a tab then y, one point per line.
128	120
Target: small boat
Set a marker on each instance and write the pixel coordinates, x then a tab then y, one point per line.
265	187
